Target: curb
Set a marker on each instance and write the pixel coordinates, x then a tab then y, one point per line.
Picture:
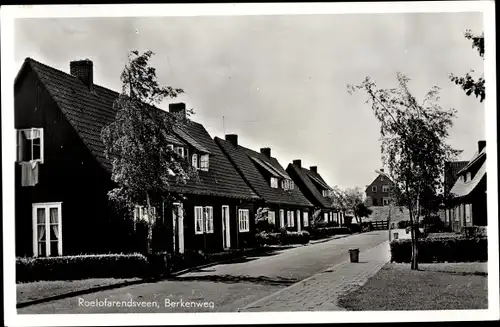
331	238
247	306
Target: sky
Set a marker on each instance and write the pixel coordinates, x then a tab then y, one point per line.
280	81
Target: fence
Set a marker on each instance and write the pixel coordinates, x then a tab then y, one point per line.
380	224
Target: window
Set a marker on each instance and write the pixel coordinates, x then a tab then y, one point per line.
180	151
271	217
385	188
282	218
194	161
290	219
274	182
198	220
170	147
208	215
244	220
385	201
374	188
204	162
381	178
141	213
287	184
325	193
325	217
305	216
468	213
203	220
30	145
47	232
468	177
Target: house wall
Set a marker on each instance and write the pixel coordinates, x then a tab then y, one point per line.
213	242
277	207
69	174
376	198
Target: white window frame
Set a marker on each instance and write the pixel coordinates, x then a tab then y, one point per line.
182	151
385	188
243	220
305	217
468	177
274	182
42	146
381	178
282	218
468	213
204	162
385	201
271	216
143	214
208	215
170	147
194	161
199	226
47	206
374	188
325	216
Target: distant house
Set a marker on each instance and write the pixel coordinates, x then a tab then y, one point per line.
288	207
316	190
378	192
62	176
468	204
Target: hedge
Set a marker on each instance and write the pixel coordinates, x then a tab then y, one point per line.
442	249
324	232
81	267
283	238
474	231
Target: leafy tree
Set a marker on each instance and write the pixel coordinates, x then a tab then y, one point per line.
353	197
143	167
361	211
414	148
469	84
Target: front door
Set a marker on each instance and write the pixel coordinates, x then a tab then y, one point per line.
299	227
226	234
178	227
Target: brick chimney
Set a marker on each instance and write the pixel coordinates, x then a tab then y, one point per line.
382	169
314	169
481	145
178	109
233	139
297	163
84	71
266	152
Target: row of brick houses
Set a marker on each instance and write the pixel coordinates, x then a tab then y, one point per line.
63	177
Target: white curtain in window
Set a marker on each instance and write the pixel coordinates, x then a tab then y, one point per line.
41	224
54	223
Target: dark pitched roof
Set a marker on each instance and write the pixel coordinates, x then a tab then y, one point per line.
88	112
461	188
241	159
308	178
451	172
477	156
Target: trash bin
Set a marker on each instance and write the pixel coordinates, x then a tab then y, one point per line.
354	254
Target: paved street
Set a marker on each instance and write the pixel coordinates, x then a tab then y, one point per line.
222	288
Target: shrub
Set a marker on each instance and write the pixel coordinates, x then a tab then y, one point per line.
441	249
323	232
284	237
434	224
403	224
355	228
81	267
366	226
474	231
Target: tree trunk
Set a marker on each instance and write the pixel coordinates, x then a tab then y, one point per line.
150	225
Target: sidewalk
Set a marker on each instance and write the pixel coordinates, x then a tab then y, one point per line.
321	291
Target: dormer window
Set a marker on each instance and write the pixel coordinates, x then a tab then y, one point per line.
374	188
325	193
194	161
468	177
274	182
204	162
287	184
30	145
